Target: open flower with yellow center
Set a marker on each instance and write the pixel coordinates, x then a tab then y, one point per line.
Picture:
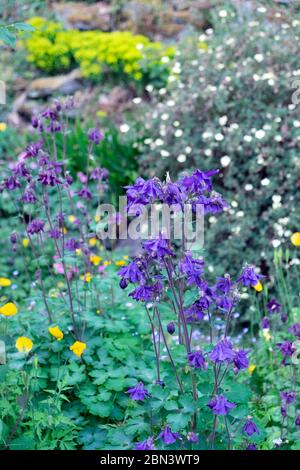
93	241
24	344
121	262
8	310
251	368
56	332
4	282
87	277
77	348
258	287
25	242
295	239
95	260
3	126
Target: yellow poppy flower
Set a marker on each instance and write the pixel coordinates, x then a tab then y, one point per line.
56	333
93	241
77	348
3	126
251	368
258	287
25	242
4	282
295	239
122	262
24	344
8	310
95	260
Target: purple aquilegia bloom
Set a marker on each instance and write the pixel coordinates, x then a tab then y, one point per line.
168	437
152	190
99	174
249	277
250	427
95	136
12	183
33	149
171	328
197	310
148	444
212	204
223	284
295	330
197	360
199	181
158	248
241	360
192	437
138	392
222	352
265	323
297	421
193	269
72	244
286	348
173	194
273	306
220	405
35	226
55	234
147	293
29	197
20	170
85	193
131	273
288	397
251	447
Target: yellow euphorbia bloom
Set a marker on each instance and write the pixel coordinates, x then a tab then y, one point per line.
8	310
122	262
266	334
93	241
295	239
24	344
251	368
258	287
25	242
3	126
95	260
4	282
77	348
56	333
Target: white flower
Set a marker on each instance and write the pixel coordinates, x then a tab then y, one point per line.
260	134
265	182
225	161
247	138
259	57
124	128
159	142
219	137
248	187
137	100
222	13
181	158
164	116
223	120
164	153
178	133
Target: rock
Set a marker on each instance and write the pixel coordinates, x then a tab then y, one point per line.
114	103
63	84
79	15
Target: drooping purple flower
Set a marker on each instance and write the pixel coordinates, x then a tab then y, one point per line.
222	352
152	190
192	437
286	348
29	197
220	405
273	306
199	181
53	127
223	284
49	113
12	183
295	330
197	360
55	234
297	420
131	273
224	303
148	444
147	293
250	428
85	193
72	244
193	269
60	219
168	437
288	397
99	174
171	328
265	323
251	447
13	238
95	136
49	175
35	226
249	277
20	170
173	194
33	149
158	248
213	204
284	317
240	359
138	392
283	411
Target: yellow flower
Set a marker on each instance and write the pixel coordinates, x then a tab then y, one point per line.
107	263
71	219
8	310
95	260
56	333
87	277
65	230
78	251
258	287
266	334
97	218
93	241
126	257
4	282
25	242
122	262
77	348
3	126
251	368
24	344
295	239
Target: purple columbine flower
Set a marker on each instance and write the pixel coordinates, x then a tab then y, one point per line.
220	405
250	427
171	328
85	193
48	176
286	348
29	197
240	359
295	330
288	397
224	284
251	447
138	392
192	437
249	277
55	234
173	194
158	248
197	310
147	293
168	437
265	323
131	273
72	244
199	181
99	174
32	150
222	352
284	317
297	420
283	411
148	444
35	226
12	183
212	204
193	269
273	306
20	170
197	360
95	135
152	190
